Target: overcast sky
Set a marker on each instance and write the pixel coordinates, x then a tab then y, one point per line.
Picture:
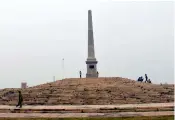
131	39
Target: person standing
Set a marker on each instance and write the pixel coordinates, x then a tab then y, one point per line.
80	74
146	78
20	99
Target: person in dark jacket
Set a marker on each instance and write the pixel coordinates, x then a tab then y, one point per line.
149	81
80	74
146	78
20	99
140	79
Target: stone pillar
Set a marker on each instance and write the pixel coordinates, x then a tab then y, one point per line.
91	60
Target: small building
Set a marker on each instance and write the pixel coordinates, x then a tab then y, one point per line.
23	85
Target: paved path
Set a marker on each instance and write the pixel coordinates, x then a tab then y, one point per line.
67	107
66	115
75	107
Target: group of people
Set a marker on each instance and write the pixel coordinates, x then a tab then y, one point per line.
140	79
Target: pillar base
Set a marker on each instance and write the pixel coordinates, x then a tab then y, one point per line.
91	76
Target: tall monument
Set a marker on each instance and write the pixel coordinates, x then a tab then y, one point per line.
91	60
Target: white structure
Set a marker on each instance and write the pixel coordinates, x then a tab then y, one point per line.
23	85
91	60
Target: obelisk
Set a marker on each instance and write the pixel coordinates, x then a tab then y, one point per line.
91	60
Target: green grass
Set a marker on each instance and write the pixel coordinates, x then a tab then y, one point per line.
122	118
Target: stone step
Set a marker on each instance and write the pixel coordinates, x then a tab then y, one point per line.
84	115
102	110
89	108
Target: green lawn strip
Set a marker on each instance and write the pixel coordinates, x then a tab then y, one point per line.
121	118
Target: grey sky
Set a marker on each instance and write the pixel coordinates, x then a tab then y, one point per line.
131	39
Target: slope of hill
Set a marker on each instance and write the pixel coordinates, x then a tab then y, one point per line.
91	91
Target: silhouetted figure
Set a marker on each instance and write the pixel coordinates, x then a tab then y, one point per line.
140	79
146	78
149	81
97	73
20	100
80	74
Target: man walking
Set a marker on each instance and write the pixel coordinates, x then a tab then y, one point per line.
20	99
